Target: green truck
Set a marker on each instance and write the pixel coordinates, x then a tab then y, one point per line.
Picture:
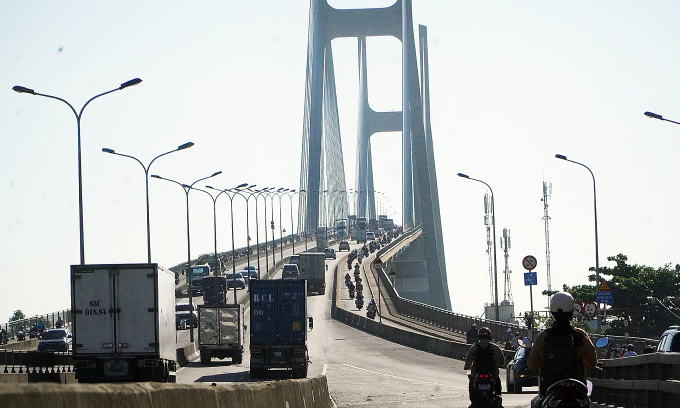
313	268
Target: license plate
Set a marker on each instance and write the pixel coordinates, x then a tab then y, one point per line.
277	354
116	366
484	387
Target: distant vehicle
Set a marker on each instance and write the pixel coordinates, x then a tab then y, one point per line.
669	341
246	275
330	253
294	259
215	266
370	235
517	375
55	340
185	316
220	332
313	270
197	274
344	246
214	290
252	275
290	271
235	279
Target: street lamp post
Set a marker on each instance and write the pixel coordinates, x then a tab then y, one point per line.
233	248
655	116
187	189
21	89
493	223
146	177
597	255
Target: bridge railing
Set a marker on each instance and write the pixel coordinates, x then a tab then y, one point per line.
49	319
35	362
438	317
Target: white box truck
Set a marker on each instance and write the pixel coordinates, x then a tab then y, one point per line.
123	323
220	332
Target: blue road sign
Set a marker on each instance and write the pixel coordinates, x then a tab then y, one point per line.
605	296
530	278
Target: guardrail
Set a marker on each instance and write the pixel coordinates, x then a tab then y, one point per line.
49	320
647	380
35	362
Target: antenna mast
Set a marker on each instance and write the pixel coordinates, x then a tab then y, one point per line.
547	191
505	244
489	242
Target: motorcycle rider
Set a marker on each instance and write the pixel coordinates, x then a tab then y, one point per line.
484	356
471	334
553	365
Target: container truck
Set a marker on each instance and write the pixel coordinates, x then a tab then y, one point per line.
123	323
278	326
313	268
220	332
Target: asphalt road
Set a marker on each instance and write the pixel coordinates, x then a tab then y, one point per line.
362	370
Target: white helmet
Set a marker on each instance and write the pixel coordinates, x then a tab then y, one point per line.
561	302
509	330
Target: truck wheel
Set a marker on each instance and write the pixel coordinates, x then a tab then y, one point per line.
300	372
205	359
257	372
237	359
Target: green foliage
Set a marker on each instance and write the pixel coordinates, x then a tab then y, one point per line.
18	315
640	292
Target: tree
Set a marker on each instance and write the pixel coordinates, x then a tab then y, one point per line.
18	315
643	293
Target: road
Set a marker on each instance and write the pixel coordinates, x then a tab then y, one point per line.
363	370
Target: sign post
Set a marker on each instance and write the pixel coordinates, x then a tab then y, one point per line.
530	279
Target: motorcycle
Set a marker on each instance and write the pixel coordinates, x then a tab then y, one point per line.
484	385
371	309
566	394
351	293
21	335
359	303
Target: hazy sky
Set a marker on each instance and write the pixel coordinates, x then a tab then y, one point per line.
512	84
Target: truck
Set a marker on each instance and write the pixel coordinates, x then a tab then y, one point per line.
123	323
214	290
220	332
278	326
361	229
312	267
196	274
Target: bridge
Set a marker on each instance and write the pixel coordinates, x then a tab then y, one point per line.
409	354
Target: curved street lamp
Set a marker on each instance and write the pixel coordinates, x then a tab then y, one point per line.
655	116
187	189
21	89
146	176
597	256
493	223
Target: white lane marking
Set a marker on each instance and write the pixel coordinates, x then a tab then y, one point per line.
404	378
323	372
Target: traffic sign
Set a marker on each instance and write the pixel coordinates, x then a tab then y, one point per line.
530	278
529	263
578	308
605	296
603	286
392	272
590	309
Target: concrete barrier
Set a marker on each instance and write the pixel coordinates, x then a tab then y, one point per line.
306	392
187	353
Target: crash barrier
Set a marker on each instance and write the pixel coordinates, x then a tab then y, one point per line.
49	320
30	344
647	380
187	353
306	392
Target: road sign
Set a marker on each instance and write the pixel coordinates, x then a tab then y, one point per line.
605	296
530	278
589	309
603	286
578	308
392	272
377	262
529	263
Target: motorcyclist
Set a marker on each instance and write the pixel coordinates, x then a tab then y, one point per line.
484	356
59	322
471	334
562	311
507	339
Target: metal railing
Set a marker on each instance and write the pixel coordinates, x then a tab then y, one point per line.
35	362
49	320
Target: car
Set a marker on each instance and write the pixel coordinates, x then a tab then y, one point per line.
669	342
330	253
236	280
294	259
55	340
185	316
344	246
252	275
516	374
290	271
245	275
370	236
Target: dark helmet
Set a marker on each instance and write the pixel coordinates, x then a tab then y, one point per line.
631	347
484	333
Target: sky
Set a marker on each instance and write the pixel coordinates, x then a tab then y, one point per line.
512	84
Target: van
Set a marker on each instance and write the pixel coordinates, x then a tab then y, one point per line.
669	341
290	271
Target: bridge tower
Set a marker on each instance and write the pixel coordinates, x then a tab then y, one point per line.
321	167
